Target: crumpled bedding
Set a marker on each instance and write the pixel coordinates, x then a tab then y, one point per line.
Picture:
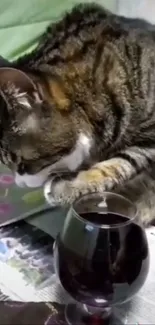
22	22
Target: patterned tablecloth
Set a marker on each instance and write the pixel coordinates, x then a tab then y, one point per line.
29	291
26	261
16	203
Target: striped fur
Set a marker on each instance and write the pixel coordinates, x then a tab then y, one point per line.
90	98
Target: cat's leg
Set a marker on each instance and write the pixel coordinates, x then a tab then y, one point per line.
103	176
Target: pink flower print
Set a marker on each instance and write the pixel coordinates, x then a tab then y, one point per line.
6	179
5	208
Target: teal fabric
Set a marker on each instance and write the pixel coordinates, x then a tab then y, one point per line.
23	21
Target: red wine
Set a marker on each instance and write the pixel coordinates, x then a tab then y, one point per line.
105	219
96	265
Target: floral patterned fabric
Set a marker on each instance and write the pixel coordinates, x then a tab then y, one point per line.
18	203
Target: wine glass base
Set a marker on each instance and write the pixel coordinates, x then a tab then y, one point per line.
75	314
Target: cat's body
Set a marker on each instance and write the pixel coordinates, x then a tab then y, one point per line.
85	106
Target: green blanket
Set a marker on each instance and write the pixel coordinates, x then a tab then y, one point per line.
22	21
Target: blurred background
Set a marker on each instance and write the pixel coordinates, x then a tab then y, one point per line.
22	21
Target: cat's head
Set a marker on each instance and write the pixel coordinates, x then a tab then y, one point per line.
36	138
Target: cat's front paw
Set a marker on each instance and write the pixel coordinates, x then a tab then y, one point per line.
59	192
49	194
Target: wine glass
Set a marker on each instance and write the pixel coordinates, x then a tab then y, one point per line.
101	256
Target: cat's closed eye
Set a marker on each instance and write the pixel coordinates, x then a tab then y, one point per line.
29	167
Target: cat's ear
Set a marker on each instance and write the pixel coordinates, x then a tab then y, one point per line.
17	90
16	83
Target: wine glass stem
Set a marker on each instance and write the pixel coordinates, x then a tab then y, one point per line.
102	312
82	314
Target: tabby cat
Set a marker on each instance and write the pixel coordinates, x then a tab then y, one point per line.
77	115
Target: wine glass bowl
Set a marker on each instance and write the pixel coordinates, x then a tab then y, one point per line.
101	255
